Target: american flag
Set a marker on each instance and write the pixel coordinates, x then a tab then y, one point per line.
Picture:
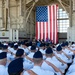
46	23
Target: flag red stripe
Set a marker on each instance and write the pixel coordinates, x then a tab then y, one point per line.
41	26
47	30
38	30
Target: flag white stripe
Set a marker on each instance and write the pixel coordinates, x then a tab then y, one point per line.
41	30
45	30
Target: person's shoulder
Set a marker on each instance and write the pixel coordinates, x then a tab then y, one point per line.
3	70
25	73
50	73
73	73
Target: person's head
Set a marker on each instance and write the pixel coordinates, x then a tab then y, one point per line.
47	45
42	45
1	46
16	67
37	58
63	45
20	53
49	52
19	43
24	44
59	48
15	47
3	58
73	42
5	48
33	48
66	44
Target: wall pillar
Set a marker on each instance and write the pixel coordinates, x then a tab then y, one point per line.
10	35
71	29
73	14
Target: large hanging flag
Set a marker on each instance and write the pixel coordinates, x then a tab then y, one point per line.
46	23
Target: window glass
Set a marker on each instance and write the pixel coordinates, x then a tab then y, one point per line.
63	20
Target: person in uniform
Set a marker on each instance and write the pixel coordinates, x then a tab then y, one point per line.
1	47
62	54
27	65
33	50
73	73
3	60
38	60
24	47
71	69
16	67
42	48
52	59
66	49
15	48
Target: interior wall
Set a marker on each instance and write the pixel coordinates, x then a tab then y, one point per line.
17	19
1	14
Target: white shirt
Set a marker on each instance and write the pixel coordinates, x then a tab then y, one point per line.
73	73
1	51
10	56
73	48
64	58
57	63
71	69
25	50
45	66
14	51
10	49
27	65
29	47
3	70
42	51
31	55
39	71
68	52
74	60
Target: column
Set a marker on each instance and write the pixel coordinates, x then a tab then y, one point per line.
10	35
73	15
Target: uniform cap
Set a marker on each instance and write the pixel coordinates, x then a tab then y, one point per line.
19	52
33	47
5	47
66	43
59	48
3	55
63	45
49	50
15	66
38	54
16	46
